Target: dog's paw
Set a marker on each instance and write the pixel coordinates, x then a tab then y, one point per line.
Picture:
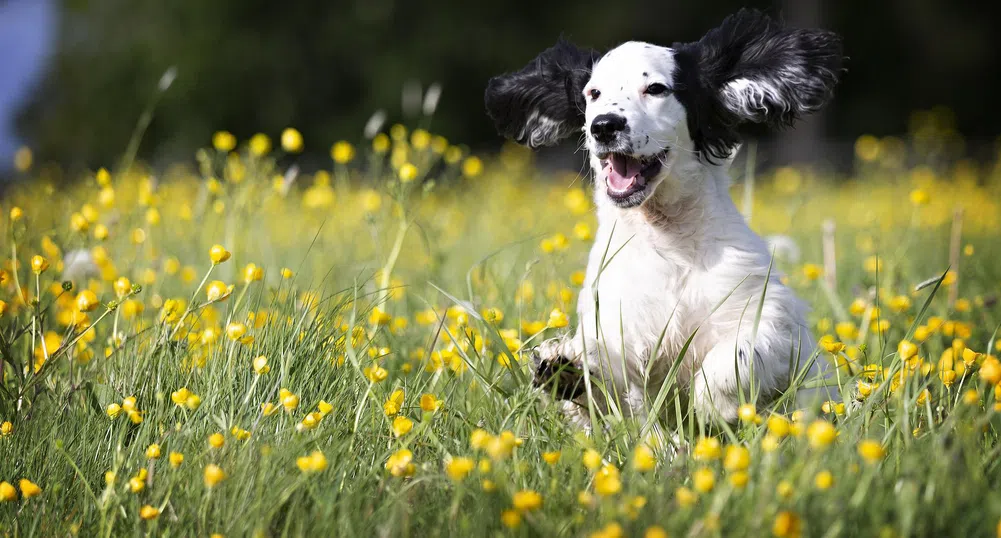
557	369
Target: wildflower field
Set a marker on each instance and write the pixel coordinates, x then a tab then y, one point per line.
234	348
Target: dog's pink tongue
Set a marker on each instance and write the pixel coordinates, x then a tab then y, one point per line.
623	171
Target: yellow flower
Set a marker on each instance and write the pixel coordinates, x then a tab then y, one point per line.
86	301
113	410
287	273
823	480
213	475
153	451
479	439
325	408
511	519
147	512
472	167
78	223
502	445
737	458
846	330
315	462
218	254
6	428
707	449
900	304
376	373
770	443
402	425
393	405
685	497
778	426
655	532
592	459
830	406
812	271
310	421
235	330
948	377
907	349
786	525
429	403
260	144
643	458
557	319
990	370
703	480
260	365
458	468
821	433
873	264
217	440
552	458
291	140
224	141
830	345
379	317
611	530
39	264
526	500
28	488
252	273
342	152
400	463
784	489
408	173
289	401
268	409
920	197
871	451
747	413
175	459
970	357
493	315
7	492
607	481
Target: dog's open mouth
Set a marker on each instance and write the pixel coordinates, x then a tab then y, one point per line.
627	175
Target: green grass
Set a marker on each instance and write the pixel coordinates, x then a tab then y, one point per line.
473	237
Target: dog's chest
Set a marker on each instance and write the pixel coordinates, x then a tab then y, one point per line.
644	295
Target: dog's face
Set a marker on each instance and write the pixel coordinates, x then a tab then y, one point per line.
642	106
632	120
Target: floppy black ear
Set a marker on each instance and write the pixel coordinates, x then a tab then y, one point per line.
753	70
542	103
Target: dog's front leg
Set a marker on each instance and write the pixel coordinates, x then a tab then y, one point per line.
558	368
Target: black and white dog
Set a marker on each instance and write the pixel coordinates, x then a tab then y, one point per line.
661	126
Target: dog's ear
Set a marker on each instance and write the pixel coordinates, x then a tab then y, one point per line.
543	103
753	70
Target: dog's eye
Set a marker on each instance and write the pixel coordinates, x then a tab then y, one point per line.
655	89
594	93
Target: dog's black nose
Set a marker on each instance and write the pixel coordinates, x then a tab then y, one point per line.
604	127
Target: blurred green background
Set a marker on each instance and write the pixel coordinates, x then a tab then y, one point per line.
326	66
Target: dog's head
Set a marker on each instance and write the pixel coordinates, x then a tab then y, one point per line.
640	105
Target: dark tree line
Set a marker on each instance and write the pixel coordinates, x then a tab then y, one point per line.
324	66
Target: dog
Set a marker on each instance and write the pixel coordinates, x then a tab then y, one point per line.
675	268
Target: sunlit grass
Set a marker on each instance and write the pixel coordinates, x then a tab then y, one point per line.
242	349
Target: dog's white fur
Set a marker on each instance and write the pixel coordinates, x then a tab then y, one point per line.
682	262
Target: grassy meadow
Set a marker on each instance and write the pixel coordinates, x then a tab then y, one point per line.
234	348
